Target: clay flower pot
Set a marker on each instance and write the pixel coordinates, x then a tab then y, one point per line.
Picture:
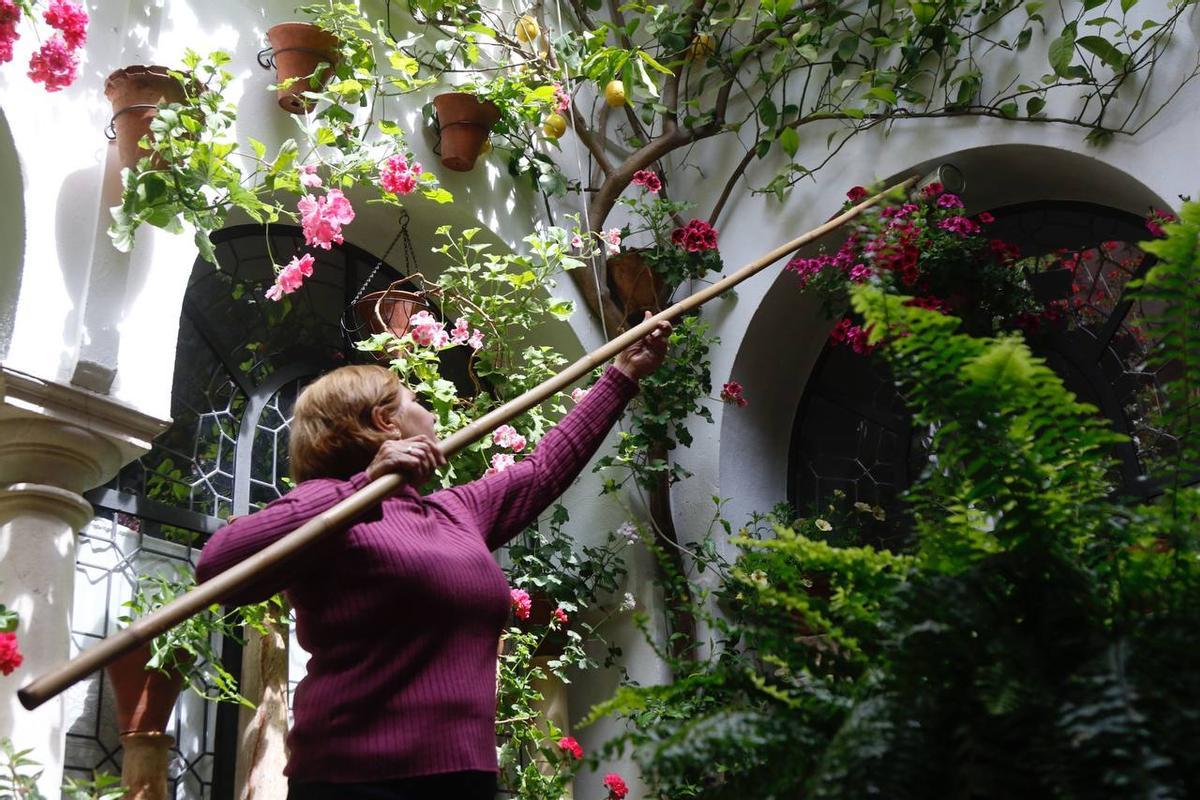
387	311
298	48
639	287
465	122
144	697
135	93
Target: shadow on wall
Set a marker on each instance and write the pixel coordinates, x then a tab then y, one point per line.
776	376
12	234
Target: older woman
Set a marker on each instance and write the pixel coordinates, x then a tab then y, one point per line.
401	613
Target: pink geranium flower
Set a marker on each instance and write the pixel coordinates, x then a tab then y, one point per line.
54	64
950	201
507	436
617	790
322	218
521	603
309	177
695	237
70	20
612	241
732	392
561	616
291	277
568	745
857	194
476	340
578	394
647	180
10	15
562	100
398	176
427	331
10	653
500	462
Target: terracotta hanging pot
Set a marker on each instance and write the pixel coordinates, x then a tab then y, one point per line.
135	93
540	613
298	48
465	122
388	311
144	697
638	286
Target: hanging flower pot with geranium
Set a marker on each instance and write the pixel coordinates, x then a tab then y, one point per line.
304	56
644	278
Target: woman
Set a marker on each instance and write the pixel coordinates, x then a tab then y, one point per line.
401	613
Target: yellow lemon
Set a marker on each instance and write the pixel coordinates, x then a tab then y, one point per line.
702	46
486	147
614	94
554	126
527	29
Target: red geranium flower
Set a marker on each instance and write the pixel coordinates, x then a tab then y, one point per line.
568	745
616	786
10	653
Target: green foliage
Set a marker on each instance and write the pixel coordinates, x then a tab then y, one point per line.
188	648
669	396
19	775
1031	641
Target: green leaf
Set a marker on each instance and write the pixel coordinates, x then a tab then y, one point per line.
767	112
1035	106
438	195
561	309
789	139
924	12
883	94
1106	50
1062	50
654	65
1127	4
260	149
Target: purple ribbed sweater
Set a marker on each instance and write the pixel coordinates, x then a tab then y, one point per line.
402	613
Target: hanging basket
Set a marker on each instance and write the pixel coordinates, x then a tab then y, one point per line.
135	93
637	285
144	697
297	49
464	122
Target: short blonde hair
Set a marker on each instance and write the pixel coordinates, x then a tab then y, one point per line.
332	435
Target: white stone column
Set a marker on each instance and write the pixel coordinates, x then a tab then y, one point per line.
56	442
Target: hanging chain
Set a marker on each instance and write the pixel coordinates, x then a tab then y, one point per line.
409	256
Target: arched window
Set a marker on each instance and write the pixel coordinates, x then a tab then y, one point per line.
854	441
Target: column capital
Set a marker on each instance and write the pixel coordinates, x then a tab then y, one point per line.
66	436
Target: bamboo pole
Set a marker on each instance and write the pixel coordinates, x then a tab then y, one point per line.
335	519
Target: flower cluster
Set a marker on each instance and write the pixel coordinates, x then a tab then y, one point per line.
500	462
428	331
562	100
617	790
560	616
507	436
926	247
522	603
291	277
309	178
855	336
1156	219
398	176
322	218
578	394
695	237
629	532
10	653
612	241
732	392
647	180
56	63
568	745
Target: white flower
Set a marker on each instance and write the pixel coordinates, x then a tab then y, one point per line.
629	603
612	241
822	525
629	531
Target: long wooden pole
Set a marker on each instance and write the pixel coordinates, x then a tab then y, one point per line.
335	519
